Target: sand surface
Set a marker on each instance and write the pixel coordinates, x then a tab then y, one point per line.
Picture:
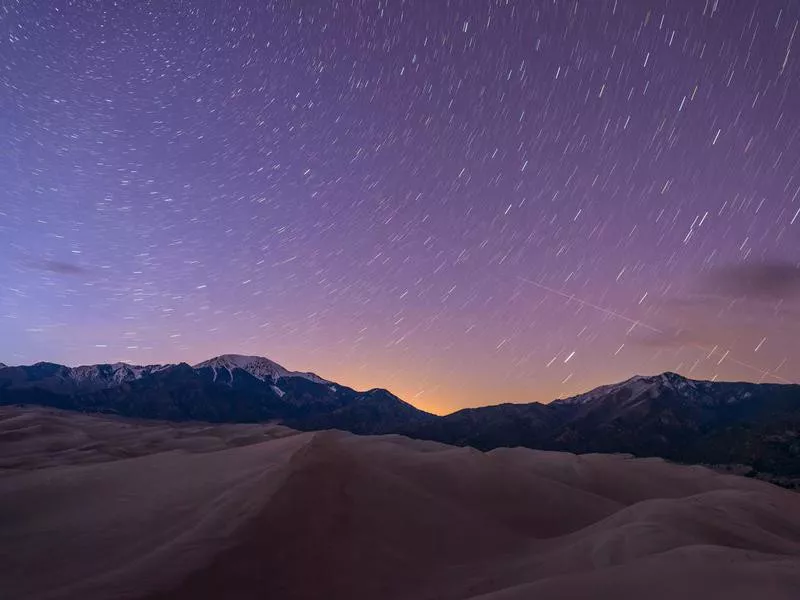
96	507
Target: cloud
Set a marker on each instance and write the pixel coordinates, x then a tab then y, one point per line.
777	280
62	268
729	305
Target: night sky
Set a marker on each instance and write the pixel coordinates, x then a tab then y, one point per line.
465	202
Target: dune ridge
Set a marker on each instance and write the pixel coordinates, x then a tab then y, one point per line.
98	507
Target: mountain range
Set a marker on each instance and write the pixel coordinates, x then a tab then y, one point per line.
745	427
229	388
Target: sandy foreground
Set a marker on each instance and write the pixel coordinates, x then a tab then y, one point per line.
96	507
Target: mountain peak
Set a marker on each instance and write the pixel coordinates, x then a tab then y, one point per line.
665	378
257	366
637	384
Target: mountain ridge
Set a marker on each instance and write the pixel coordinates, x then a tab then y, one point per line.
666	415
232	361
227	388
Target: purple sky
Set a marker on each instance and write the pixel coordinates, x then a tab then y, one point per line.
465	202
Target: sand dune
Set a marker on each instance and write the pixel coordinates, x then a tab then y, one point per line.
95	507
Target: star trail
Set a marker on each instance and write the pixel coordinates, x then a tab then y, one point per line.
464	202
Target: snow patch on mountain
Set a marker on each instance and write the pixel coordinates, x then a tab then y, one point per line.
257	366
639	385
310	376
595	394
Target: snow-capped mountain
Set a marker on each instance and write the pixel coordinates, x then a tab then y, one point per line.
223	369
259	367
638	387
60	378
227	388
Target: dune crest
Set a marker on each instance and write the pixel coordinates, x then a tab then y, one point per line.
96	507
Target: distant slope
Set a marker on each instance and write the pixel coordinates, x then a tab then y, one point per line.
97	507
